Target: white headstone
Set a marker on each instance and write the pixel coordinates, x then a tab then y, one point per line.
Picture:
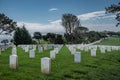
13	61
86	48
26	49
73	50
119	48
40	49
30	46
45	47
14	51
3	49
93	52
34	47
109	49
77	57
32	53
102	49
45	65
52	54
56	50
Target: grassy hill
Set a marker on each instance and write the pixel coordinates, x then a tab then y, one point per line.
110	41
103	67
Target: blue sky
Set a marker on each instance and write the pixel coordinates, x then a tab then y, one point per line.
45	15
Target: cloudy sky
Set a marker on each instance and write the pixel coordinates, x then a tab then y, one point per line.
45	15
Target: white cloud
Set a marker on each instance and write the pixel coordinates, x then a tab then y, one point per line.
53	9
94	15
109	16
43	28
91	15
89	20
56	22
102	27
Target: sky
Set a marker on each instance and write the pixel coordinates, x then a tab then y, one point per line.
45	15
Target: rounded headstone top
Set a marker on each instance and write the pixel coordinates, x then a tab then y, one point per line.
78	52
45	58
13	55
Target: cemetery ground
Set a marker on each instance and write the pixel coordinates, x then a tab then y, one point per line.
110	41
105	66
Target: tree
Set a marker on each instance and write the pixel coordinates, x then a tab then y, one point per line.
116	10
26	36
69	22
5	41
38	36
22	36
58	39
44	37
81	29
7	25
51	37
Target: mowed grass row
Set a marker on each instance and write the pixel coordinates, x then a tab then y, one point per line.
110	41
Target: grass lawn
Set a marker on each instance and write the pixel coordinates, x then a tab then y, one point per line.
110	41
103	67
44	42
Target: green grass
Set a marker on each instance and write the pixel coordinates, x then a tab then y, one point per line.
44	42
103	67
110	41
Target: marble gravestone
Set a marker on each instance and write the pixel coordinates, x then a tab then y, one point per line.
40	49
13	61
93	52
52	54
14	51
109	49
77	57
27	48
56	50
73	50
45	65
32	54
102	49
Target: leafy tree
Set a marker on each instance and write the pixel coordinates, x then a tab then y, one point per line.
7	25
69	22
18	36
54	38
5	41
26	36
94	36
22	36
38	36
34	42
67	37
114	8
58	39
51	37
81	29
44	37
